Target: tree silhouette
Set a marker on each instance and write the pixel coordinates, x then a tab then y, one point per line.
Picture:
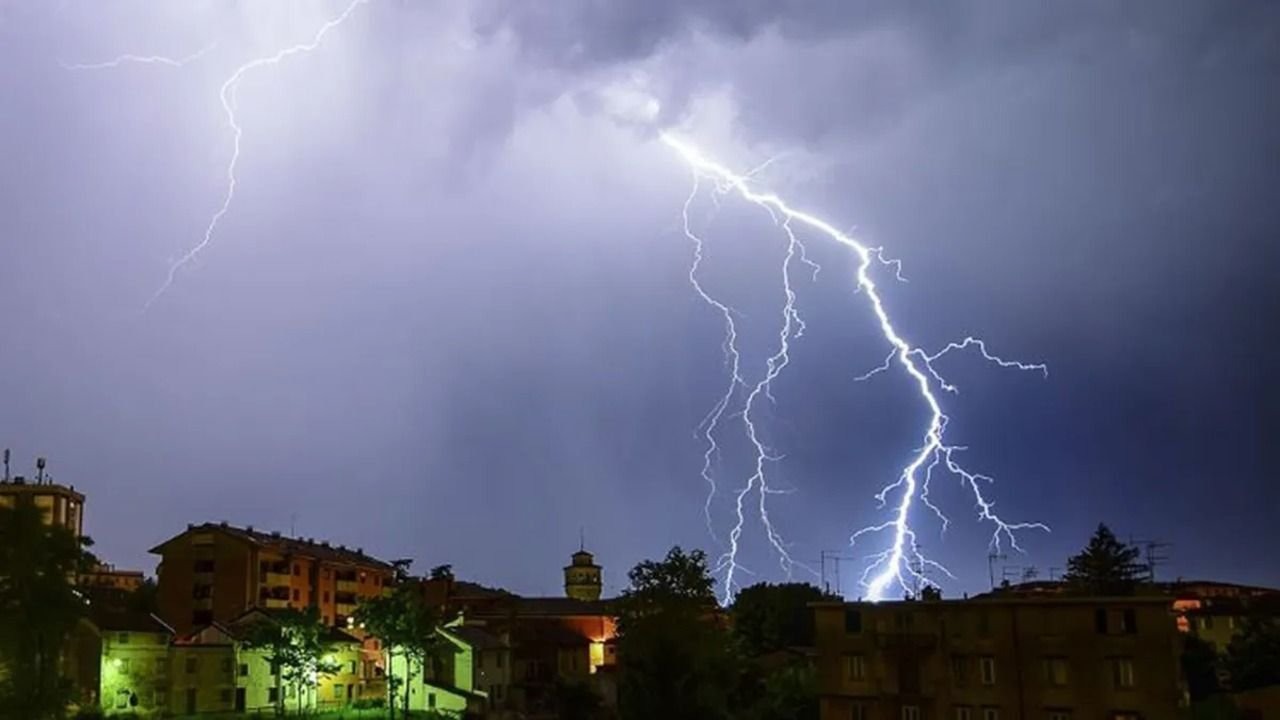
1106	566
1253	657
679	663
38	609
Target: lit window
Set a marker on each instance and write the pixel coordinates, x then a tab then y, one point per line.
987	667
855	667
910	712
1055	671
1122	673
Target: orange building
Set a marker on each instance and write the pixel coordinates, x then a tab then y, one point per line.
215	572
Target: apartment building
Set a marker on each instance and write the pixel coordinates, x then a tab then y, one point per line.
996	658
60	504
215	572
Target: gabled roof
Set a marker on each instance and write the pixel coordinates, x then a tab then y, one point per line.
475	637
309	547
115	620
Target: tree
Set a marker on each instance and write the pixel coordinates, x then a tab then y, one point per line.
38	609
292	641
1253	657
1200	666
769	617
677	660
404	623
1106	566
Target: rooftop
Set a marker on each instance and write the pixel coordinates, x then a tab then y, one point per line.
309	547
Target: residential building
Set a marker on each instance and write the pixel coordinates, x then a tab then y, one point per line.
1214	611
107	576
213	669
215	572
60	504
467	677
119	661
999	658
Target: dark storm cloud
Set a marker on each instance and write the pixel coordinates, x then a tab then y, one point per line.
447	315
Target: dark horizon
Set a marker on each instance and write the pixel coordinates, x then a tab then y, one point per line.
447	314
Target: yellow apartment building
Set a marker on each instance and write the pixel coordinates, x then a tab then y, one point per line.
994	658
60	504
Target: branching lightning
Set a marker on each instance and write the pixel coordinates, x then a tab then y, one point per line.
902	563
140	60
227	95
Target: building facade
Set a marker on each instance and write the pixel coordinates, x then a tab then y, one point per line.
60	504
215	572
1052	658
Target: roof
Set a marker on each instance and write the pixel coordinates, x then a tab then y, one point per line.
989	600
546	633
20	486
116	620
476	638
308	547
550	607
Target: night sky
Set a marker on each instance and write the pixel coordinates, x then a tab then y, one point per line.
447	315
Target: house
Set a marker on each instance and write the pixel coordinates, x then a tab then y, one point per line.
119	661
215	669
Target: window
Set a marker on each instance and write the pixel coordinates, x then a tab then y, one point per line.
273	695
122	699
959	670
964	712
326	596
1100	621
431	700
852	622
990	713
855	667
339	691
297	569
984	623
987	667
123	664
297	595
1122	673
1125	716
1206	622
354	665
857	711
1055	671
191	666
202	566
903	620
910	712
244	669
122	638
1129	621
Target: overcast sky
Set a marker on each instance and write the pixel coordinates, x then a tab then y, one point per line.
447	314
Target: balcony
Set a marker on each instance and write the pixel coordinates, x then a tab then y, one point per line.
347	586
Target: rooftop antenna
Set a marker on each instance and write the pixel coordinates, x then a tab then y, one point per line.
992	557
293	522
6	464
40	463
582	539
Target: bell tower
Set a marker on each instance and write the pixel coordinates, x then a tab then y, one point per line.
582	577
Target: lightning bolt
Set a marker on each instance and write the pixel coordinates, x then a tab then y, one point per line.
227	95
140	60
902	563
